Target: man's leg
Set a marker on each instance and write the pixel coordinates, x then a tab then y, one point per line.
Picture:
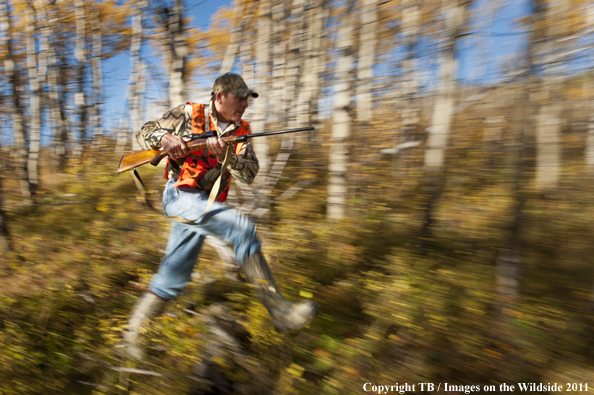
175	270
174	273
228	224
285	315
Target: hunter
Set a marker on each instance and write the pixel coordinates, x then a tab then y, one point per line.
192	177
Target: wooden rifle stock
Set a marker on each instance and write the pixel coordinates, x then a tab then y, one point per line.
139	158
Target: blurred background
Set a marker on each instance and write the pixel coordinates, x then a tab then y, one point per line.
441	214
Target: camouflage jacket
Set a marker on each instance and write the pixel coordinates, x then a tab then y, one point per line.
178	121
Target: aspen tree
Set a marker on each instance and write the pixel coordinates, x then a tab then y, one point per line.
97	73
15	80
313	65
341	116
411	20
278	52
367	44
454	15
509	257
262	82
178	52
246	50
80	55
454	19
4	235
137	67
410	31
294	64
590	136
57	91
230	53
316	62
35	76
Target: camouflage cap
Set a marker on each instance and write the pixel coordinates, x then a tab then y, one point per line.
232	83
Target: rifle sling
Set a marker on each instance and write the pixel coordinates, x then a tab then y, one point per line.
142	189
214	192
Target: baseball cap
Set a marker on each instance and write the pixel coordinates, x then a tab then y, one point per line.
232	83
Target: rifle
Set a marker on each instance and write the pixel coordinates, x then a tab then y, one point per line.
198	142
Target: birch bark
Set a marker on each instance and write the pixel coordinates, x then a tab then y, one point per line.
56	89
455	18
135	92
36	76
96	66
367	44
232	48
590	135
509	258
81	58
341	117
548	126
178	53
14	78
278	50
262	82
293	66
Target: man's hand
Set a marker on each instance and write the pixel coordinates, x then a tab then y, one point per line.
174	145
216	147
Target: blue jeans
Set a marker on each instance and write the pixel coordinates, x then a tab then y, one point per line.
185	240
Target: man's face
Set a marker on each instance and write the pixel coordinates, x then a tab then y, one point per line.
230	108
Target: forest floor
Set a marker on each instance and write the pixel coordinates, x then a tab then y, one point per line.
394	308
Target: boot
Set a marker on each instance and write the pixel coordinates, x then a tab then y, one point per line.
285	315
147	307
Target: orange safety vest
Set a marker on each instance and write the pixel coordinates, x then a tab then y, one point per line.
198	163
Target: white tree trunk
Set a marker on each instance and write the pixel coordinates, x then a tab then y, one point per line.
590	138
367	43
178	53
56	87
317	61
246	50
443	112
96	65
135	93
548	125
294	63
548	155
341	117
231	51
312	67
81	58
411	20
262	85
36	76
278	45
11	72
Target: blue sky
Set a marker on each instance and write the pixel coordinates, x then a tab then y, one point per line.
116	70
475	66
481	55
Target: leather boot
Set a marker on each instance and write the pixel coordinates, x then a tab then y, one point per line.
285	315
147	307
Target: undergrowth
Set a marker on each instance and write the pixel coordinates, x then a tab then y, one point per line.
393	308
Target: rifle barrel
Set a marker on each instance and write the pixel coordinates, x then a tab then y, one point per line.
279	132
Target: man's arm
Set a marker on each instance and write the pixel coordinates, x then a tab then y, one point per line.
243	166
174	123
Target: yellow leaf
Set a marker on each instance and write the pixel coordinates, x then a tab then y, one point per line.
305	294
